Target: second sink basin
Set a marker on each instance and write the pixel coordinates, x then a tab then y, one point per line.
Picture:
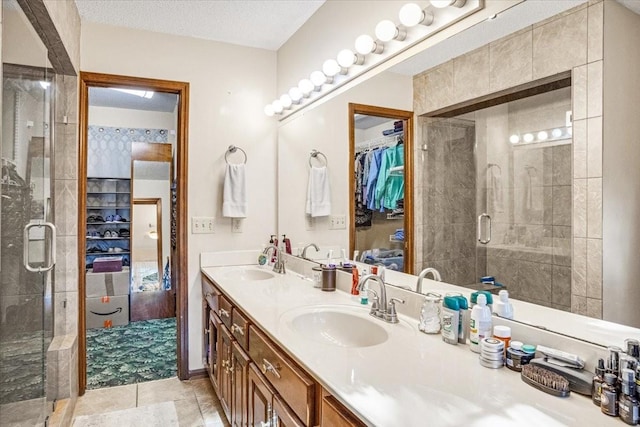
339	326
248	274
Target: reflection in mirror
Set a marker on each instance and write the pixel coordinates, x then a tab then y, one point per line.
146	244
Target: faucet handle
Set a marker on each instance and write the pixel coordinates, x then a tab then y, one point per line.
392	316
375	303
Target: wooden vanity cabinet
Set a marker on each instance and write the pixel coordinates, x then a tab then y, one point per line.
334	414
239	385
225	371
266	407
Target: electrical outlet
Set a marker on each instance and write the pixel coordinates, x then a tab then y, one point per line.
202	225
338	222
236	225
309	222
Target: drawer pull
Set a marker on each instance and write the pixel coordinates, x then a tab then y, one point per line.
268	367
206	331
207	295
224	312
238	329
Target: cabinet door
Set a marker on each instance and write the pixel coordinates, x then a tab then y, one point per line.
214	359
334	414
206	347
240	369
260	393
283	415
224	369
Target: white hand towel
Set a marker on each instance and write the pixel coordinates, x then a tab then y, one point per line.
318	193
234	199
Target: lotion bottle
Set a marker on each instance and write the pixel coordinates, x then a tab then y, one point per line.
503	306
480	324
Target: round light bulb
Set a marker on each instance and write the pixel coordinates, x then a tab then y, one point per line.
268	110
556	133
331	67
318	78
440	4
277	106
346	58
386	30
286	101
527	137
543	135
295	94
365	44
411	15
305	86
514	139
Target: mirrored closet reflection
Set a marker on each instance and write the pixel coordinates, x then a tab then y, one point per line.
130	300
497	197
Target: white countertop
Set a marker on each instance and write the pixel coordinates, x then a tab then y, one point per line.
412	379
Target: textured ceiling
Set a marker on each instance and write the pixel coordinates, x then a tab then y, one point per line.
106	97
255	23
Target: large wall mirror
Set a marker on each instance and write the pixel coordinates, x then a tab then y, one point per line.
509	167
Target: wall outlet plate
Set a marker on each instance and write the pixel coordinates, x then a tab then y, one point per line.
337	222
203	224
237	225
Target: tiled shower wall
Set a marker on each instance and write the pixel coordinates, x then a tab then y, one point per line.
571	41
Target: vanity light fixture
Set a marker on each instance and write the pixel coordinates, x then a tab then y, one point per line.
514	139
306	87
318	78
441	4
278	108
141	93
295	94
44	85
411	15
331	68
268	110
527	137
386	31
543	135
347	58
365	45
286	101
556	133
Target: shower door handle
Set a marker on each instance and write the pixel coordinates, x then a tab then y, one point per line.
487	237
52	252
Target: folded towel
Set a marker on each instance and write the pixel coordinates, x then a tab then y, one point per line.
318	193
234	199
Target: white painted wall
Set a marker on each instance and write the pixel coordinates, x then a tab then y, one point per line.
229	86
126	118
152	188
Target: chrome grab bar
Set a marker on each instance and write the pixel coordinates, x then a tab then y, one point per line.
487	238
25	244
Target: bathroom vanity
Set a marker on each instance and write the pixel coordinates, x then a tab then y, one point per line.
281	352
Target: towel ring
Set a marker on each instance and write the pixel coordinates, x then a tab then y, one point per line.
232	149
315	154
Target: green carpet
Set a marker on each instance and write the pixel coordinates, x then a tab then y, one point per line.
139	352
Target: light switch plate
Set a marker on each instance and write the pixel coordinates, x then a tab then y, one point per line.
202	225
337	222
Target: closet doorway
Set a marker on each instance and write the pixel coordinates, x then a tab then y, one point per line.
109	157
381	191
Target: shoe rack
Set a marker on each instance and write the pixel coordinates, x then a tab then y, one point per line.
108	219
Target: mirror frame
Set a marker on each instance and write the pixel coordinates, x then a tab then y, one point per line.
407	118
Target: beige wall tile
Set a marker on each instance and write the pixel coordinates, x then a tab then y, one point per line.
471	75
66	98
579	148
438	87
594	208
594	268
65	193
419	94
595	30
66	270
579	267
594	308
579	95
560	45
594	147
71	312
66	151
511	61
580	207
594	89
578	305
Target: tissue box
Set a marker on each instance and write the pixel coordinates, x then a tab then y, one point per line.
107	311
107	284
107	264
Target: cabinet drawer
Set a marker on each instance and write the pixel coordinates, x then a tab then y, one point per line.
292	383
240	328
334	414
210	293
224	310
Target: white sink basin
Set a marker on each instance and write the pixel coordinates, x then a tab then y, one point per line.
248	274
342	326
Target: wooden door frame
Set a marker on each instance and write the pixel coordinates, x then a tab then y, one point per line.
179	273
407	118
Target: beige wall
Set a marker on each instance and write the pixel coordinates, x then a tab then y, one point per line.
229	86
66	19
570	41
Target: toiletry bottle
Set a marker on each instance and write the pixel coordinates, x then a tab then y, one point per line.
450	318
503	333
609	395
355	277
628	405
503	306
596	385
274	254
480	324
465	318
287	244
430	314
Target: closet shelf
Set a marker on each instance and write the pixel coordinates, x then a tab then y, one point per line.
392	216
392	238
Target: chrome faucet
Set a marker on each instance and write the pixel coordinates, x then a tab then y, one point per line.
304	250
423	274
381	310
278	266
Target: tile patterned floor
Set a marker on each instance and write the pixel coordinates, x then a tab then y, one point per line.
195	401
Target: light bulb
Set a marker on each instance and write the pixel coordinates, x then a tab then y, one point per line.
543	135
277	106
556	133
365	45
318	78
411	15
346	58
305	86
295	94
331	67
514	139
268	110
527	137
286	101
386	30
44	85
